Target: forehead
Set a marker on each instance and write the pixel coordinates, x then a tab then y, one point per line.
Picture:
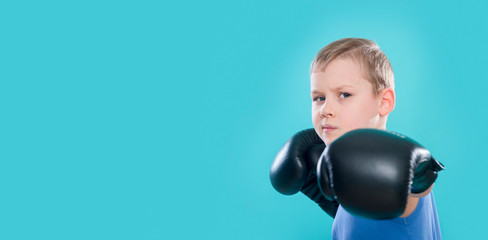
339	73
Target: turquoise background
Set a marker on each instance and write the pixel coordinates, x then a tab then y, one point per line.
160	120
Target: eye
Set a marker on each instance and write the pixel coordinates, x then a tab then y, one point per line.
318	99
344	95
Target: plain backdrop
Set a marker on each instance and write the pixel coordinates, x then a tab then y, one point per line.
160	120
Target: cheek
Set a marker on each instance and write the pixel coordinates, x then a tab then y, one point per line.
315	117
316	121
315	112
360	116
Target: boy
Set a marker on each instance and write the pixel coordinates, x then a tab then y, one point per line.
352	87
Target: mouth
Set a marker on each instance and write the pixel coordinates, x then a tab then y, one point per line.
327	128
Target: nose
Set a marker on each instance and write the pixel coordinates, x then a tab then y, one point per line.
326	110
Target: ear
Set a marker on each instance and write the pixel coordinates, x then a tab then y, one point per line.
386	101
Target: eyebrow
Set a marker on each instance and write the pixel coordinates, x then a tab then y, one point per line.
333	89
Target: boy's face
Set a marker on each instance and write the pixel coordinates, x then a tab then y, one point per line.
342	100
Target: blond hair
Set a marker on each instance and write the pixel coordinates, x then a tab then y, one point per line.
376	66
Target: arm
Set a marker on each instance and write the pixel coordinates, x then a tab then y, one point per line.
377	174
413	200
423	194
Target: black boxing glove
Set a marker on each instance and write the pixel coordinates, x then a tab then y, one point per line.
371	172
294	169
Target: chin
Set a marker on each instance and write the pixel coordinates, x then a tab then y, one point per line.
329	140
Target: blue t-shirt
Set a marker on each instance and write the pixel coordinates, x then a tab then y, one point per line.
421	224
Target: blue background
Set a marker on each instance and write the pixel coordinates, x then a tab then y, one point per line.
160	120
